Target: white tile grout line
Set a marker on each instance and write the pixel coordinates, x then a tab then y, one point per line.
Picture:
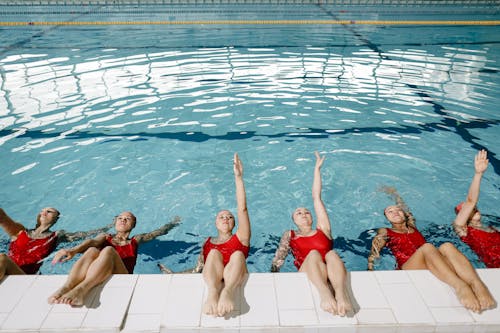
125	315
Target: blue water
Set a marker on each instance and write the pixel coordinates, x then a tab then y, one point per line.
95	120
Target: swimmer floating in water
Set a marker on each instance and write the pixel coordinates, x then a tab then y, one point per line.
413	252
483	240
29	247
313	253
223	258
102	256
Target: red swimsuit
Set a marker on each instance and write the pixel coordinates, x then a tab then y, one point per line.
485	244
404	245
302	245
127	252
28	252
226	249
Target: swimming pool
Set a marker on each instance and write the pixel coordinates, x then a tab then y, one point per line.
101	113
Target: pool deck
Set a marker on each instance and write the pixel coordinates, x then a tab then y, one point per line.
386	301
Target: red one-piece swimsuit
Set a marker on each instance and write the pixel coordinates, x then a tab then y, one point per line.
485	244
404	245
28	252
226	249
127	252
302	245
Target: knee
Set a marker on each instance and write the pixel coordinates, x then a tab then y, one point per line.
428	248
331	256
314	255
237	256
91	252
213	256
447	248
108	251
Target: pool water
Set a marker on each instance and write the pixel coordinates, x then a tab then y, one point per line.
97	119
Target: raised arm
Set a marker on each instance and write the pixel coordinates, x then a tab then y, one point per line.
158	232
323	222
393	193
64	236
67	254
243	231
11	227
378	244
480	166
281	252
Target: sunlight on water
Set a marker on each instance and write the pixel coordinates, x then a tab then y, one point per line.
132	121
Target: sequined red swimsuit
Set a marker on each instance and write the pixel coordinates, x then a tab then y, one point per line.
226	249
28	252
127	252
302	245
404	245
485	244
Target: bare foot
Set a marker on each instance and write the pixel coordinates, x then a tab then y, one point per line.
343	303
226	302
74	297
54	298
483	295
328	303
210	306
467	298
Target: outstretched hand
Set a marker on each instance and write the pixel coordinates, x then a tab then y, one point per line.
481	161
237	166
62	255
319	160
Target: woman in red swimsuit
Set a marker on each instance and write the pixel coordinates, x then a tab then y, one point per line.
483	240
223	258
313	251
102	256
413	252
29	247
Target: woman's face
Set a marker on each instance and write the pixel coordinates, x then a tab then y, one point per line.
47	217
395	215
302	217
224	221
125	222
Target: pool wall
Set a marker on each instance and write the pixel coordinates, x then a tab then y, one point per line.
388	301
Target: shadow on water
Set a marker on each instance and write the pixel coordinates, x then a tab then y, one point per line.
459	128
159	249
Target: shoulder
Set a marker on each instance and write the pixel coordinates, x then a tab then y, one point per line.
382	232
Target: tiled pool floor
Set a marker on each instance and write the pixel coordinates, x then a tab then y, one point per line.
386	301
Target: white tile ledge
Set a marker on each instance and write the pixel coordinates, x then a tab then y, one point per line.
406	301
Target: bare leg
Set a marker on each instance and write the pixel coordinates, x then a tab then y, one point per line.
8	267
428	257
76	274
316	271
466	272
213	275
234	274
337	275
107	263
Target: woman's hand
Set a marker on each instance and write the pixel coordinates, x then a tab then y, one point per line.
237	166
481	161
319	160
63	255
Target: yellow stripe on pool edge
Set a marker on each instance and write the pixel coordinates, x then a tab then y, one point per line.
250	22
